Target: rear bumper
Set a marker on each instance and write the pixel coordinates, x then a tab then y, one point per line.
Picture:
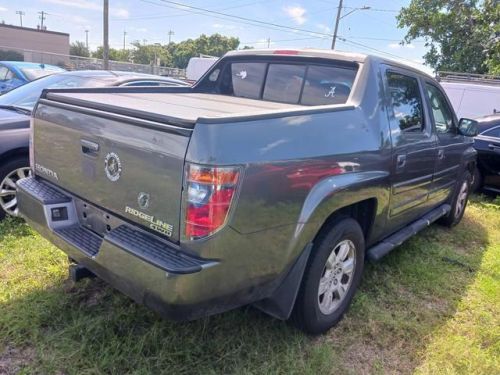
147	269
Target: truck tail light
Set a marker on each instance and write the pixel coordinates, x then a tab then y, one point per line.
210	192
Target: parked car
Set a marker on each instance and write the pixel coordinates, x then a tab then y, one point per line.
171	194
472	95
18	73
487	144
15	111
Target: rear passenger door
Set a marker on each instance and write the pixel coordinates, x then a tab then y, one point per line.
414	148
450	144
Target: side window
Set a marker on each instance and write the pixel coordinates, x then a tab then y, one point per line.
3	73
406	102
495	132
284	83
10	75
441	111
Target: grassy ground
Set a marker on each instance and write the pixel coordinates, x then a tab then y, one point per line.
432	306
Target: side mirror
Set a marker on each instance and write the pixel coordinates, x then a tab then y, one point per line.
468	127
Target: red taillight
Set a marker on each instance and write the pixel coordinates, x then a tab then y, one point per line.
210	191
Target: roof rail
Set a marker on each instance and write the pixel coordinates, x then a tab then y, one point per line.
489	79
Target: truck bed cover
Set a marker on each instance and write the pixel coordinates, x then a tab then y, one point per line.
177	107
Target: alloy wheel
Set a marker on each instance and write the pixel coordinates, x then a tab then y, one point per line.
8	197
337	276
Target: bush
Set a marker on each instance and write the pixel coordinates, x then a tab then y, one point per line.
10	55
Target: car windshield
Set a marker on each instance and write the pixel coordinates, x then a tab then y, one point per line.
35	73
27	95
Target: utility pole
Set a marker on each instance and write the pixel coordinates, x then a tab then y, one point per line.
42	18
339	11
170	33
87	39
105	50
21	14
124	35
268	42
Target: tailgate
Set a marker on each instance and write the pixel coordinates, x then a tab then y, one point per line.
131	167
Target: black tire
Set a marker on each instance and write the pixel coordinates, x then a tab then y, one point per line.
307	314
7	168
477	180
456	213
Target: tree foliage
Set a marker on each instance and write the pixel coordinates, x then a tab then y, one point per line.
462	35
10	55
114	54
213	45
174	54
79	49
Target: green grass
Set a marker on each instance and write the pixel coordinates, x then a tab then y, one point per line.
432	306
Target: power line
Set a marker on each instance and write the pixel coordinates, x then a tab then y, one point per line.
190	8
254	22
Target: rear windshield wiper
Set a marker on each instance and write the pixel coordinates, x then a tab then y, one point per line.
24	111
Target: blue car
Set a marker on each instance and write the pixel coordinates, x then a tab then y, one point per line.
17	73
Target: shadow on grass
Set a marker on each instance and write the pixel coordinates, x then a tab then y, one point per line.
89	328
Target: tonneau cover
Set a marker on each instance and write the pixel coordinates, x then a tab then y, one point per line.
181	106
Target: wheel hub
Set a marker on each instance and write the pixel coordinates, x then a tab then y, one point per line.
336	277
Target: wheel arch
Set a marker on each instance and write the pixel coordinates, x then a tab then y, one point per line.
14	153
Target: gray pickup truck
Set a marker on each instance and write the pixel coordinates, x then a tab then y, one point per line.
269	182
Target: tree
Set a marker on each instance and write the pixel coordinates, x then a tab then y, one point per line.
462	35
10	55
114	54
213	45
79	49
151	54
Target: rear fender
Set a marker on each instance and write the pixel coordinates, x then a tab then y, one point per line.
334	193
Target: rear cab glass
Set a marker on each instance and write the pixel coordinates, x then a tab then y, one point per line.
292	82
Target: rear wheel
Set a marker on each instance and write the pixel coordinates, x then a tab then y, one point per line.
331	277
10	173
459	202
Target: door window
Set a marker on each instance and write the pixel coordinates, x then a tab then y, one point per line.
495	132
10	75
441	111
406	102
3	73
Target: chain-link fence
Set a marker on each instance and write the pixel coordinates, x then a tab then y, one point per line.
88	63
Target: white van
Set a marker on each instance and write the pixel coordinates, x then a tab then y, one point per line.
472	97
198	66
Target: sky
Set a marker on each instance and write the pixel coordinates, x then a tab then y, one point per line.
308	23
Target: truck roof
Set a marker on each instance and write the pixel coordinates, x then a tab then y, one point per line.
326	54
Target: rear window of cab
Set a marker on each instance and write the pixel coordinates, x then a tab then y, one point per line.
305	84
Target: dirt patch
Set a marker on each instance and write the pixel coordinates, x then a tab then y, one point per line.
13	359
367	358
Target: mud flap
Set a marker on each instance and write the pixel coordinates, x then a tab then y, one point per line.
280	304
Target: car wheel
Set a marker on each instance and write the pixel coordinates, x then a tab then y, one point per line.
477	180
459	202
10	173
331	277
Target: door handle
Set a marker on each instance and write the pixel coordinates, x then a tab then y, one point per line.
441	154
400	161
89	148
494	148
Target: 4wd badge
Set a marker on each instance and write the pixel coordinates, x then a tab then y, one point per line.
113	166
